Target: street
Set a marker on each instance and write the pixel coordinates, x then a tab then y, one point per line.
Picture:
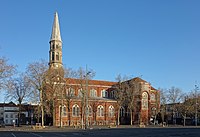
130	132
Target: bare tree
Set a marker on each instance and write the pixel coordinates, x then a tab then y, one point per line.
36	73
163	103
6	71
83	76
190	108
19	89
119	95
175	96
187	108
130	90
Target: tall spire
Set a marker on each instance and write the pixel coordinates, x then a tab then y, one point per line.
55	52
55	35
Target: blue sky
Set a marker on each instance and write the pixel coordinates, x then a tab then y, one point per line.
156	39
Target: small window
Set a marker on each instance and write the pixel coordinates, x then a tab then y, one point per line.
53	46
93	93
111	94
75	110
70	92
64	111
122	112
100	111
111	111
89	109
57	56
53	56
144	100
104	93
80	93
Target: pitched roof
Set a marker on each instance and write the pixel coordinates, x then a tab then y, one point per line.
10	104
138	79
90	82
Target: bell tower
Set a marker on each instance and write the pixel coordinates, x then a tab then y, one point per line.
55	52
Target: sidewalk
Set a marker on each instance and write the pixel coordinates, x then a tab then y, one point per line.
59	129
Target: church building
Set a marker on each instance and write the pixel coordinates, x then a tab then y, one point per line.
86	102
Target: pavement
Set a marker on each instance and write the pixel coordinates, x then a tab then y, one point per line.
61	129
122	131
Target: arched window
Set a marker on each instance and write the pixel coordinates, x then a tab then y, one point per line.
75	110
53	56
145	100
100	111
122	112
111	111
128	113
89	109
104	93
64	111
53	46
70	92
93	93
57	56
57	46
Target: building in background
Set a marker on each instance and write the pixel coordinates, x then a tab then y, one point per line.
9	113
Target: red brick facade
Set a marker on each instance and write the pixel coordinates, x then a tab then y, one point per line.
103	108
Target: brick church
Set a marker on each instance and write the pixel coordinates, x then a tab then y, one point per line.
95	102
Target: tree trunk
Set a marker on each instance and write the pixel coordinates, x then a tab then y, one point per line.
184	117
54	114
95	118
131	117
19	114
82	117
60	109
42	108
118	115
69	116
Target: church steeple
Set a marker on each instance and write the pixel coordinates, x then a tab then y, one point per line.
55	52
55	35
